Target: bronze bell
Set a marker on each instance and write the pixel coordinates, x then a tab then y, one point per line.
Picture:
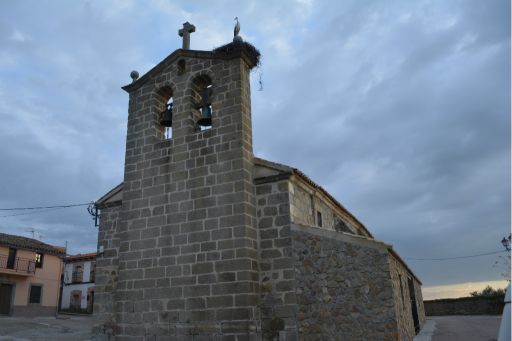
206	116
206	108
166	116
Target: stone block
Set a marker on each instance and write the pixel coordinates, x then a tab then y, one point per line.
183	280
198	237
233	265
162	293
223	233
234	314
231	288
196	290
195	303
202	268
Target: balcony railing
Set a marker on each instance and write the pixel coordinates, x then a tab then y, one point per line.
19	265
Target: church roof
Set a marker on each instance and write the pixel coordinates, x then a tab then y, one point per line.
25	243
288	171
112	196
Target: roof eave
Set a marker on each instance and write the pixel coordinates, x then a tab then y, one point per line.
109	194
237	53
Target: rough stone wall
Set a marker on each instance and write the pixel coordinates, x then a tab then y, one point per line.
465	306
419	303
301	206
106	272
343	287
278	302
188	259
304	206
401	296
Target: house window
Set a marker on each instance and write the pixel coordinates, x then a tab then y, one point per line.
35	293
319	218
78	274
39	260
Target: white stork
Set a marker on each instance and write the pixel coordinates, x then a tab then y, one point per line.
237	27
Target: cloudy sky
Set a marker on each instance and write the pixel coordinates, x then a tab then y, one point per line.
401	109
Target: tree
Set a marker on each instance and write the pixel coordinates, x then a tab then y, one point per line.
489	292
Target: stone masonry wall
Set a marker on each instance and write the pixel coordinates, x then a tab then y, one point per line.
419	303
304	206
401	296
301	203
106	272
278	301
188	259
343	287
465	306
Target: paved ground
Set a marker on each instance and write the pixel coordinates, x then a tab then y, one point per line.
460	328
64	328
77	328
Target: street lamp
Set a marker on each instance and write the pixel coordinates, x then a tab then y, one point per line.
506	242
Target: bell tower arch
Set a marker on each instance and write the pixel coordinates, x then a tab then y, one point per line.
187	238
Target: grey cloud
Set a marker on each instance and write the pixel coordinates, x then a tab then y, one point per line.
400	109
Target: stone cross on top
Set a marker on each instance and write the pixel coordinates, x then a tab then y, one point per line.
185	33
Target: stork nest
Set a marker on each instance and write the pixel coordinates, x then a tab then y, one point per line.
253	52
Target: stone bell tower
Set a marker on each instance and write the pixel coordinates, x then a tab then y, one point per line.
180	258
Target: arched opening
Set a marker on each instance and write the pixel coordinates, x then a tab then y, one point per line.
166	119
202	91
163	105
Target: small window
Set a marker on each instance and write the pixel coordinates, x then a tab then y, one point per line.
39	260
35	294
78	273
319	218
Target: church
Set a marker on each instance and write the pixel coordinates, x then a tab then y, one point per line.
205	241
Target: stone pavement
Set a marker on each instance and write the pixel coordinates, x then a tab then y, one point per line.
63	328
460	328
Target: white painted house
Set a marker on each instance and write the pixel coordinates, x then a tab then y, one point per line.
78	283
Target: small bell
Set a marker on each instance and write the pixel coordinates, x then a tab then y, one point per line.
166	116
206	116
206	108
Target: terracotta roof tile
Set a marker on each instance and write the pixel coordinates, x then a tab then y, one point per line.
80	257
30	244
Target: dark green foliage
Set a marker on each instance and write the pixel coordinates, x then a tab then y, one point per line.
489	292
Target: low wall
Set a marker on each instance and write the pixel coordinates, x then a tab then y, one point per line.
464	306
343	287
33	310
